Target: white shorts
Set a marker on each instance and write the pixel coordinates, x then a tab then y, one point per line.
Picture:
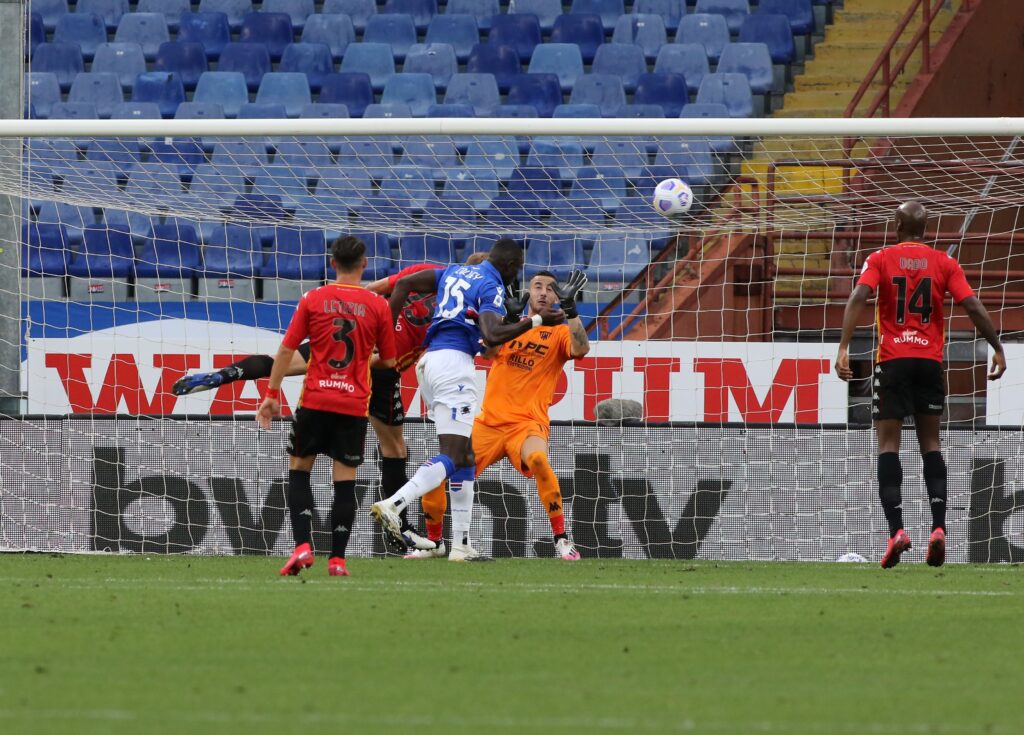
448	387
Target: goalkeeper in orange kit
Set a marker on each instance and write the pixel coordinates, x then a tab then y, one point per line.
513	422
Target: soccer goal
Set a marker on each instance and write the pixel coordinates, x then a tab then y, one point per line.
149	250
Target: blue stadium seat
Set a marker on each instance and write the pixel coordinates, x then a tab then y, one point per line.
603	90
559	254
43	90
688	59
311	59
50	11
171	9
272	29
734	11
469	192
163	88
397	30
152	186
359	11
484	10
303	157
608	10
536	183
352	89
124	59
36	32
563	155
374	59
74	219
235	10
74	111
421	11
251	60
719	144
106	253
598	191
436	59
109	11
624	60
753	61
169	251
774	32
521	32
396	109
137	111
691	159
345	184
731	90
246	156
407	189
561	59
511	213
577	110
453	110
297	10
85	29
458	30
335	30
497	156
478	90
670	11
800	13
490	58
707	29
415	90
225	88
325	109
149	30
209	29
44	249
183	155
187	59
418	248
434	155
102	89
298	254
231	252
547	11
628	156
645	31
217	187
667	90
617	259
583	30
262	111
288	88
543	91
63	60
515	111
635	110
199	111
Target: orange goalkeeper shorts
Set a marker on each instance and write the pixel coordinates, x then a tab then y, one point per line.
491	444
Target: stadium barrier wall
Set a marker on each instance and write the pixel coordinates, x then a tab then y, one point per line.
207	486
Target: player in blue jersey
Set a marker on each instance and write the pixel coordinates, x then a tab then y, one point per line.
470	309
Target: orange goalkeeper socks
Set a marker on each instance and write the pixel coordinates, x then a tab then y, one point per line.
548	490
434	505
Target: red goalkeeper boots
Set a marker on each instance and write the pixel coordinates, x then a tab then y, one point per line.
936	555
336	567
301	558
897	545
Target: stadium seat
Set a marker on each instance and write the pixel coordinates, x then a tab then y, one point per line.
235	10
753	61
561	59
577	110
734	11
251	60
106	253
468	192
183	155
731	90
85	29
559	254
298	254
334	30
543	91
608	10
670	11
397	30
707	29
199	111
458	30
303	157
719	144
623	60
136	111
187	59
800	13
443	110
434	155
218	188
123	154
262	111
406	189
36	32
163	88
421	11
436	59
645	31
490	58
43	90
50	11
603	90
344	184
419	248
44	250
515	111
359	11
209	29
415	90
74	111
478	90
352	89
538	183
149	30
290	89
616	260
170	251
637	111
246	156
583	30
667	90
395	109
109	11
691	159
688	59
123	59
231	252
628	156
774	32
497	156
563	155
484	10
373	59
225	88
311	59
325	109
74	219
171	10
510	213
547	11
297	10
521	32
63	60
102	89
271	29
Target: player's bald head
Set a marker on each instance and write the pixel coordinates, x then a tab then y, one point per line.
911	218
507	257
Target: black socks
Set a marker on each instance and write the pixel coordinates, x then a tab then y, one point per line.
300	506
890	478
935	481
343	515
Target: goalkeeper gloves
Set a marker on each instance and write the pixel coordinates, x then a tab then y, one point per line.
568	291
514	305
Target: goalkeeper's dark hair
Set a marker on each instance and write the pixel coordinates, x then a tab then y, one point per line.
545	274
505	251
347	252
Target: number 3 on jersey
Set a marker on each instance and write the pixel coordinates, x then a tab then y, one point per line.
454	292
920	302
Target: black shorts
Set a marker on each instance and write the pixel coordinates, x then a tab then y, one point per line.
340	436
908	386
386	397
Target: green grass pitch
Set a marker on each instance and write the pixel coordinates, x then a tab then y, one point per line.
99	644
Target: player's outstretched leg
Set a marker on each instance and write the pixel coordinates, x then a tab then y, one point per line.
250	368
890	480
430	474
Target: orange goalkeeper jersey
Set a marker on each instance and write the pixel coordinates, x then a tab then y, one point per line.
523	378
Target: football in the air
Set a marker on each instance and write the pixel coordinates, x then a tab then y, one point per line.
672	197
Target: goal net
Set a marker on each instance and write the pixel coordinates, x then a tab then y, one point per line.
147	251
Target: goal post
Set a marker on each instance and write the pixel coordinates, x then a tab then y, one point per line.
151	249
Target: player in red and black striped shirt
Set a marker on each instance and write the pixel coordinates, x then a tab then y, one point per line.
911	280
